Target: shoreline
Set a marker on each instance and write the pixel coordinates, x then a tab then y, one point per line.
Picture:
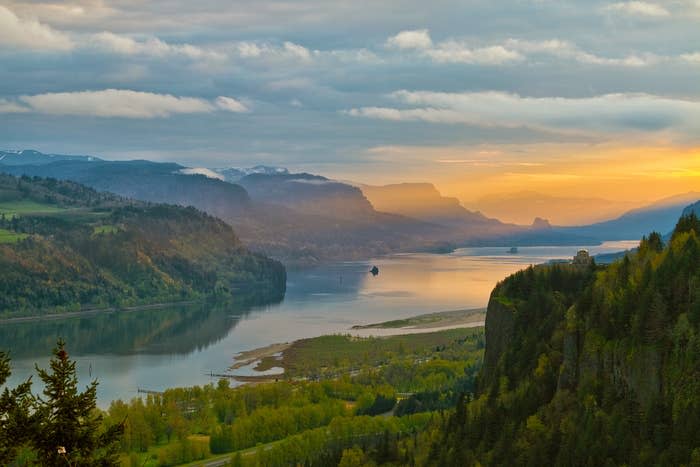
94	311
430	320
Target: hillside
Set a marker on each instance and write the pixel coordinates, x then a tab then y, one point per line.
660	216
300	219
423	201
69	247
589	365
692	209
309	194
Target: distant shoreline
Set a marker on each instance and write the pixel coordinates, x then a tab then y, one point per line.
93	311
430	320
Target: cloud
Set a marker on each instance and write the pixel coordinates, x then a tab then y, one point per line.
17	33
451	51
415	39
118	103
9	107
429	114
637	8
604	113
230	104
298	51
153	47
265	50
459	52
565	49
202	171
509	51
693	58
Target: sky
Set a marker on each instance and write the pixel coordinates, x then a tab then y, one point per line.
567	98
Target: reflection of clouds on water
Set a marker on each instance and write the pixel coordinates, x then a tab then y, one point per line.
181	347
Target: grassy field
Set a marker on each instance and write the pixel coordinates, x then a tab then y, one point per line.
105	229
344	352
7	236
24	207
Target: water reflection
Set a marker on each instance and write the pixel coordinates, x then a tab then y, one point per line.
169	330
181	346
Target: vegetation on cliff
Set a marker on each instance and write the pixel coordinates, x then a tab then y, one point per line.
587	366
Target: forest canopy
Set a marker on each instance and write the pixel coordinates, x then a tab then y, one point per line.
66	247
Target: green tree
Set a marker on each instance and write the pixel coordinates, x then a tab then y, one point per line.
16	420
354	457
70	428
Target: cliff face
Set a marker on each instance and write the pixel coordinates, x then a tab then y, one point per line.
585	357
591	365
500	319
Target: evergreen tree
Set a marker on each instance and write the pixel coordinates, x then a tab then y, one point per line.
69	425
16	420
686	224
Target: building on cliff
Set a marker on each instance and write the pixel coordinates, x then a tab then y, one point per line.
582	258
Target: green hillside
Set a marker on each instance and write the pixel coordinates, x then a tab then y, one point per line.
64	246
589	366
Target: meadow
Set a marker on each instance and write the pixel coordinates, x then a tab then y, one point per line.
7	236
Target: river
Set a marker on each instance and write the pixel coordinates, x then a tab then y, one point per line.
181	346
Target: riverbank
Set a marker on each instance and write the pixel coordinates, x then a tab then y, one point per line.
305	356
431	320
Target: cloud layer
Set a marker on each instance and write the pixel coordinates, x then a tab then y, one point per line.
605	113
118	103
30	34
639	9
312	84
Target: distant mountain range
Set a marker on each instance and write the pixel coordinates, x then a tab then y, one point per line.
660	216
31	157
523	206
303	218
423	201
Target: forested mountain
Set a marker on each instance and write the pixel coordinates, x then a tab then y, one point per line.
296	222
64	246
300	219
589	365
310	194
692	209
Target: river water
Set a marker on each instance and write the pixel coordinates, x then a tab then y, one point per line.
181	346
